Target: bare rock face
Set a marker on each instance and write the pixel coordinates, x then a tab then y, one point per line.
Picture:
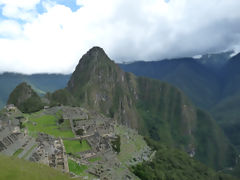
25	98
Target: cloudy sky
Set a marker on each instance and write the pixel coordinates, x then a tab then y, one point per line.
51	36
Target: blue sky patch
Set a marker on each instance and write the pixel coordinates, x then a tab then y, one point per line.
69	3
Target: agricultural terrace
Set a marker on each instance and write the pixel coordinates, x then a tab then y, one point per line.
75	146
49	124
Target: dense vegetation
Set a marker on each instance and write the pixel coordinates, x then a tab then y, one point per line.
168	114
25	98
212	83
172	164
60	97
194	79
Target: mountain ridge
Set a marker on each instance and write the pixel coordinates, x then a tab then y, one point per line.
156	109
216	90
42	83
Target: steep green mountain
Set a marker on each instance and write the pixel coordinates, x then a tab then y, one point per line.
61	97
99	84
25	99
201	79
41	83
211	82
199	82
156	109
231	75
227	111
12	168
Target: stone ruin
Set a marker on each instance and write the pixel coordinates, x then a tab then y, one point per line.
50	151
11	138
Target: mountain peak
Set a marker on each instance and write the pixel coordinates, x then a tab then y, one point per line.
98	83
95	49
25	98
94	66
95	54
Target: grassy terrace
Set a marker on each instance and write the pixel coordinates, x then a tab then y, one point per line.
48	124
75	146
75	168
129	146
29	151
95	159
19	151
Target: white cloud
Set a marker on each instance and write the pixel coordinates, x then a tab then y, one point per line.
24	9
127	30
10	29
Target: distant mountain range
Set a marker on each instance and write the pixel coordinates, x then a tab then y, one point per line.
41	83
212	82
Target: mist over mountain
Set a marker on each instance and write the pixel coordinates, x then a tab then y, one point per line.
215	61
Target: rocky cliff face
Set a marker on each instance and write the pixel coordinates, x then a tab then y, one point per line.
156	109
99	84
25	98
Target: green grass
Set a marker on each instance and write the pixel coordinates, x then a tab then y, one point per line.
75	168
95	159
47	124
12	168
29	151
19	151
65	125
130	146
74	146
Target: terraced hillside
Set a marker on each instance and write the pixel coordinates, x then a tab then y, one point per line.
84	158
72	139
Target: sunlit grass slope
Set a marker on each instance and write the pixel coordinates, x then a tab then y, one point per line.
12	168
48	124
